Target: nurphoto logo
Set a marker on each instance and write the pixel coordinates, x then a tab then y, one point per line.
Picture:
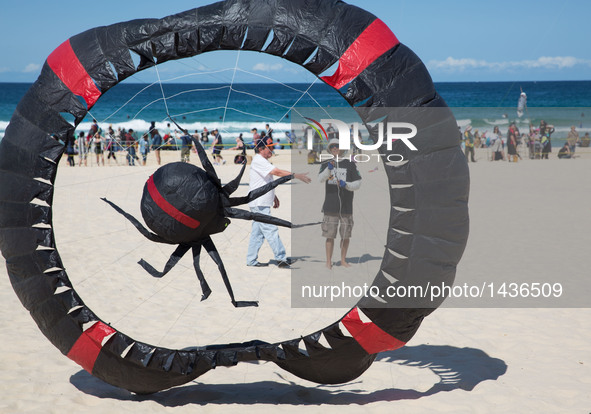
394	131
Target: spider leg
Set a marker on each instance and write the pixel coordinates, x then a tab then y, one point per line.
257	192
202	155
207	166
172	261
213	253
145	232
262	218
204	286
230	187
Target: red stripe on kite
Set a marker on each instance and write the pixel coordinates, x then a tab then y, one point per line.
88	346
64	62
372	43
168	208
370	336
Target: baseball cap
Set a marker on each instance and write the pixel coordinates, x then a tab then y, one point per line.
333	142
264	142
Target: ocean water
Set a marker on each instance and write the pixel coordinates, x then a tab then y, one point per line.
242	106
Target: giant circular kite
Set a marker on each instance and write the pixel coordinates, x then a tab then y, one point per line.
428	231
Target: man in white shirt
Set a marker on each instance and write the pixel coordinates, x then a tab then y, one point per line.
261	173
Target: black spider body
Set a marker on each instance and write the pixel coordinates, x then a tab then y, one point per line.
182	204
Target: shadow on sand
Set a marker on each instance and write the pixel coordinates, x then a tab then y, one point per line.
457	368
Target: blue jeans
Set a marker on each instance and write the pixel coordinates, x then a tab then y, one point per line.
258	234
131	155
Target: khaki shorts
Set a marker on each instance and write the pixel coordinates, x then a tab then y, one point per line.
330	225
185	153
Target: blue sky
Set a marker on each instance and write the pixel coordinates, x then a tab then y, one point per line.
459	40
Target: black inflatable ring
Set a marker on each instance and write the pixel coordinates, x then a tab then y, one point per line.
380	72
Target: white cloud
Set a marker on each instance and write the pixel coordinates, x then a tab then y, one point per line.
544	62
4	69
31	67
265	67
557	62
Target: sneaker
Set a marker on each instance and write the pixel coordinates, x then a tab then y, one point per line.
258	264
283	265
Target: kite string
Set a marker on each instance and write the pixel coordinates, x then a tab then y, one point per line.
173	324
231	89
162	89
298	100
231	84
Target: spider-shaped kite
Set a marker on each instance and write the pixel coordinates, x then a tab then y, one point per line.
185	205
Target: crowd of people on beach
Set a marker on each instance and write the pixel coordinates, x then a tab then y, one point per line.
128	147
537	142
134	148
96	142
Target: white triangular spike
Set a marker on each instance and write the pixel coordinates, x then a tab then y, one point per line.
41	226
402	209
396	186
379	299
126	350
106	338
43	180
396	254
322	341
44	248
61	289
53	269
39	202
364	318
302	348
87	325
344	330
390	278
74	309
401	231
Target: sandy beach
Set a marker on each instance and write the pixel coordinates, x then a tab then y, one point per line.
530	221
